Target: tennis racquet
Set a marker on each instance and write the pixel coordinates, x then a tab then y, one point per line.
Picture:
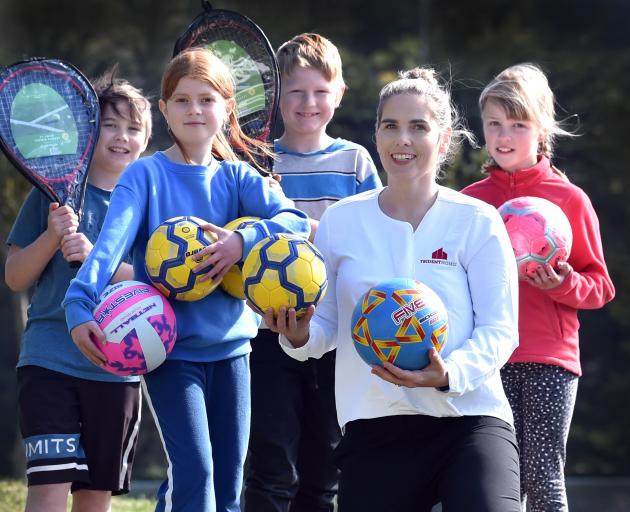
49	126
245	49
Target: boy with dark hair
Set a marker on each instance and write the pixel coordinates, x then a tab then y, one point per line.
79	423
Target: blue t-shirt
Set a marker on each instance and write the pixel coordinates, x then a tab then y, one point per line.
320	178
46	341
154	189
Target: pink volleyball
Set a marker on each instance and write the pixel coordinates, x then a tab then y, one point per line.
139	326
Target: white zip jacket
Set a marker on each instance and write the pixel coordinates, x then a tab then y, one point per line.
461	250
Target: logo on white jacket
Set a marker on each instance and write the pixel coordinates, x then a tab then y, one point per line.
439	257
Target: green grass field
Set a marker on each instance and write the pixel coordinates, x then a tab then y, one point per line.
13	497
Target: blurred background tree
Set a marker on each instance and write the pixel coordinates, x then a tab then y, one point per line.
584	46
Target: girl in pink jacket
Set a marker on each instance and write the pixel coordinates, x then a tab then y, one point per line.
541	377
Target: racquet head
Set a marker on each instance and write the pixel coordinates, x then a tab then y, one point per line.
49	126
246	51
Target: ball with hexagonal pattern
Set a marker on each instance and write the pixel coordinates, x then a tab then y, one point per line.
540	233
169	258
284	270
232	281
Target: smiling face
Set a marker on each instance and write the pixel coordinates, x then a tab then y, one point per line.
408	139
121	140
195	112
308	101
512	143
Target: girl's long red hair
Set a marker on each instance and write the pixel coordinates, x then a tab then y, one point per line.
201	64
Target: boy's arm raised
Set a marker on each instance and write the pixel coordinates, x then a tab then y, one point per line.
24	265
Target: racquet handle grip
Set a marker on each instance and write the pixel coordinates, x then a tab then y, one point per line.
74	264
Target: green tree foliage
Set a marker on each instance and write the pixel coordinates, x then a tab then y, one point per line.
581	44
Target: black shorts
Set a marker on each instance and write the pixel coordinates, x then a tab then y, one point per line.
77	430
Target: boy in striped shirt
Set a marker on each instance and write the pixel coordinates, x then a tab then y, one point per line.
294	422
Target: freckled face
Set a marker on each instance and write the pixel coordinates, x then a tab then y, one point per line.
512	143
195	112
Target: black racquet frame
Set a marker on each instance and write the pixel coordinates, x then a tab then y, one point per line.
218	24
61	178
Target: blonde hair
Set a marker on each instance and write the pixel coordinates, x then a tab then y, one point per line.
113	91
201	64
523	92
311	50
424	82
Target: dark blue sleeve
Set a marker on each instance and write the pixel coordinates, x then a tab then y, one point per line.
31	220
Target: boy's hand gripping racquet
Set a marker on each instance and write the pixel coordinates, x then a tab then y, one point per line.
49	126
245	49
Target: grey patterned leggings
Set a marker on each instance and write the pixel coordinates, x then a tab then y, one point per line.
542	398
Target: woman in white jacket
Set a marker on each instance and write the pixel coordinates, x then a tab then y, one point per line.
444	433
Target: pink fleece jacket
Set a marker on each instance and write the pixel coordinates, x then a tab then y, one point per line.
548	322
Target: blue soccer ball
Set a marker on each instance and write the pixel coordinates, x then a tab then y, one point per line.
399	321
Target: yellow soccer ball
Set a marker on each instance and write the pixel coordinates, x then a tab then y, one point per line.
169	258
232	282
284	270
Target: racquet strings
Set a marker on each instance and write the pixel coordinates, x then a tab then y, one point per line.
253	68
50	126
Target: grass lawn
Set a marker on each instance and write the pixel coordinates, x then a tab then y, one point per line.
13	497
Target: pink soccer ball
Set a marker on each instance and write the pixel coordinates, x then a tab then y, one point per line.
539	231
139	326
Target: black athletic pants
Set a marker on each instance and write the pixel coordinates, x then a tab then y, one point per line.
409	463
294	431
